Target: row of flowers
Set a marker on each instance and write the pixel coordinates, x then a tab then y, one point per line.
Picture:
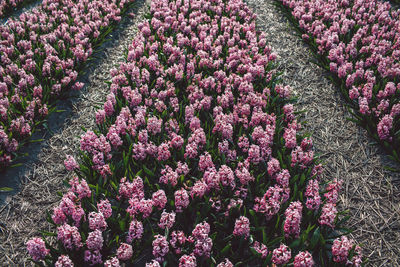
6	6
41	55
197	159
358	42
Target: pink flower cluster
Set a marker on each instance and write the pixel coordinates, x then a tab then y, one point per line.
37	249
124	252
160	247
187	261
167	220
178	239
135	231
225	263
359	40
270	203
341	249
332	191
203	243
261	248
7	5
293	219
242	227
70	163
303	259
64	261
328	215
281	255
312	193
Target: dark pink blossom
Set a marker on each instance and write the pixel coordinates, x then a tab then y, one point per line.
281	255
64	261
124	252
37	249
242	227
303	259
160	247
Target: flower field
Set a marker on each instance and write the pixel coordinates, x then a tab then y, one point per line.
6	6
358	43
197	143
42	54
198	155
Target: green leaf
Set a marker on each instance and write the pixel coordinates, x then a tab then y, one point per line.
36	140
275	241
345	219
315	238
16	165
226	248
147	171
264	236
45	233
295	243
6	189
122	224
302	179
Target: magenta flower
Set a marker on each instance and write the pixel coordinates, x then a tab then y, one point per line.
225	263
153	263
242	227
273	167
160	247
124	252
104	206
384	127
81	188
328	215
261	248
113	262
64	261
187	261
203	244
281	255
70	163
37	249
93	257
97	221
333	189
95	240
181	200
341	249
293	219
159	199
167	220
69	237
135	231
303	259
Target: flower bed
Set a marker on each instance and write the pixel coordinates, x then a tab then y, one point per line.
358	42
197	160
41	55
6	6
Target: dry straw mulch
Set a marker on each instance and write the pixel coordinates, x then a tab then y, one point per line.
23	215
370	193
